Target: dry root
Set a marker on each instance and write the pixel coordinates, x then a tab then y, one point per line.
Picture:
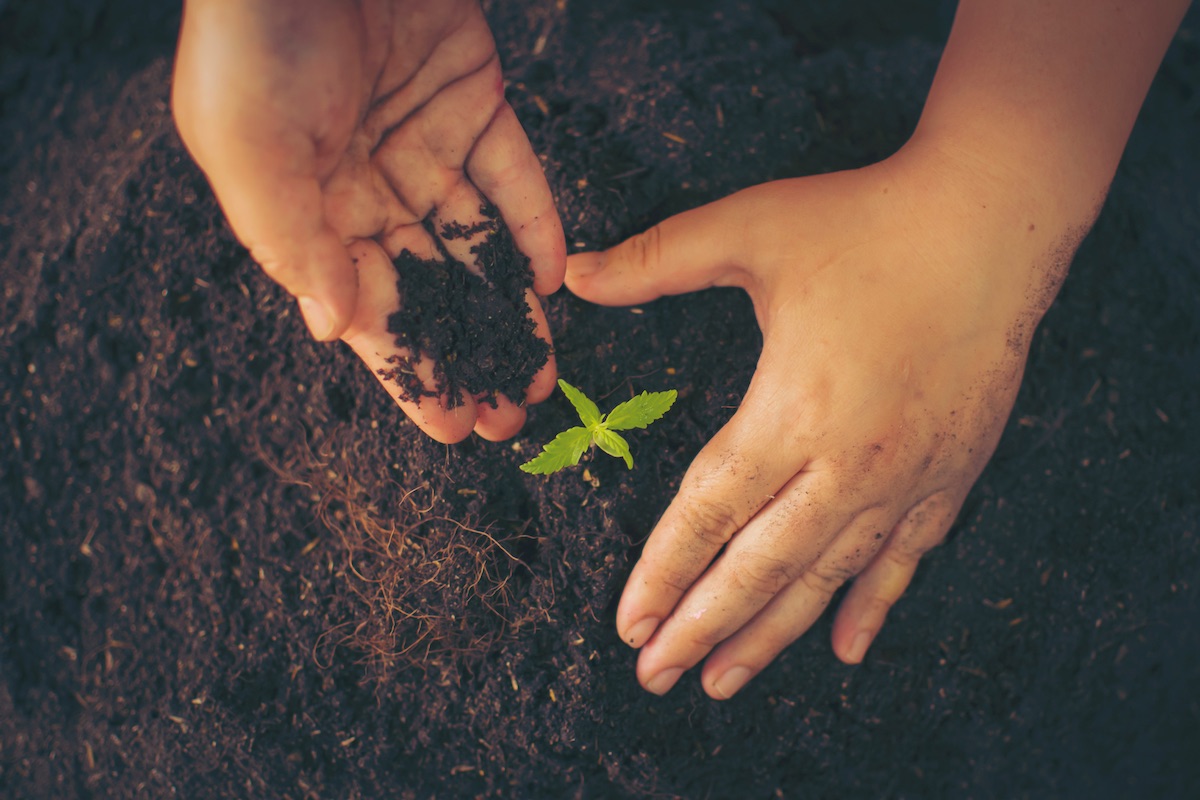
434	590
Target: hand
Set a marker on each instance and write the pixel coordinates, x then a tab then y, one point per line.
331	129
896	304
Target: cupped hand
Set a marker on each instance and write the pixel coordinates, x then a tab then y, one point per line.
332	131
896	304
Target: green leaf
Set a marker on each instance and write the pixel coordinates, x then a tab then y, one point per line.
614	444
589	413
563	451
640	411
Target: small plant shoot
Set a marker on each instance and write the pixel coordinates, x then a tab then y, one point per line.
568	447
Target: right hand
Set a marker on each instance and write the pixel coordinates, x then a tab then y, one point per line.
896	304
331	130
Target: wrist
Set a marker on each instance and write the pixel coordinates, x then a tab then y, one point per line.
1043	95
993	194
1049	178
1002	233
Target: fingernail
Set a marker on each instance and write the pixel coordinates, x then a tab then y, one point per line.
858	648
640	633
317	317
732	681
661	683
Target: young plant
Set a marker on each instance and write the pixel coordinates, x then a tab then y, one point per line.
566	449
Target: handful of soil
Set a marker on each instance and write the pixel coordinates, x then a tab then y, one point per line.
475	329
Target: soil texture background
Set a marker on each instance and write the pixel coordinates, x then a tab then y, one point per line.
229	567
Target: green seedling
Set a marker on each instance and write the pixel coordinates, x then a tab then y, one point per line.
567	448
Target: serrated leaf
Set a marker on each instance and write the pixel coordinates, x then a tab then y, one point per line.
562	451
614	444
589	412
640	411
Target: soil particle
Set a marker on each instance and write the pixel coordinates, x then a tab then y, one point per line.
474	325
229	567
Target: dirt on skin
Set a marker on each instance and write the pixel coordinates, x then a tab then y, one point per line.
473	324
230	567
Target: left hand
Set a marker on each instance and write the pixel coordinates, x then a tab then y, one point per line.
896	304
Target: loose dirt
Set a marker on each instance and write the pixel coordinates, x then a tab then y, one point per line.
230	567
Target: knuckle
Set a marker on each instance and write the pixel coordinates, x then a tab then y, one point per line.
675	579
925	527
706	640
825	579
277	269
901	559
760	575
912	549
878	605
644	249
898	570
711	524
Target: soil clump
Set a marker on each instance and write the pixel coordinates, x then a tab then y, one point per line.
231	567
474	325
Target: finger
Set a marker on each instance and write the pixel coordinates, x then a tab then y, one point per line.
467	231
423	159
498	418
796	607
508	172
462	223
694	250
737	473
413	75
263	166
801	537
278	213
436	415
876	590
546	378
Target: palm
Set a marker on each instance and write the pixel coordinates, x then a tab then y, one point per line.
366	120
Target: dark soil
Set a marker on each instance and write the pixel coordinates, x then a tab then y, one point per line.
230	567
473	324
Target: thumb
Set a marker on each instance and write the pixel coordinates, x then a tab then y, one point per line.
273	201
281	221
261	161
694	250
